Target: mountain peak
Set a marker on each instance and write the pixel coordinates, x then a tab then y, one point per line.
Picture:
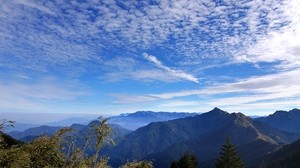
295	110
241	119
239	115
279	113
217	110
283	120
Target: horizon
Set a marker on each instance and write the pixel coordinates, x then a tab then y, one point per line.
112	57
39	119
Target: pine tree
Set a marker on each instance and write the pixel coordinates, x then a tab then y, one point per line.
186	161
229	157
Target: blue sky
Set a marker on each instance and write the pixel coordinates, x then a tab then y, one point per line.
110	57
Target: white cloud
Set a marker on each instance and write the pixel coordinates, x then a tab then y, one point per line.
280	90
31	4
125	98
276	43
262	84
17	95
150	75
195	32
75	37
176	73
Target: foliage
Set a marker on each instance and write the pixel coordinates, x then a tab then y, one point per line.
102	132
229	157
6	123
59	150
186	161
42	152
136	164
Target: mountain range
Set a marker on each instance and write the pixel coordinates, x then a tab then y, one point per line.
122	122
202	135
34	132
283	120
20	127
132	121
162	139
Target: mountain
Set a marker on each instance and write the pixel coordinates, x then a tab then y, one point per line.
202	135
35	132
70	121
8	141
283	120
117	130
158	136
81	131
20	127
253	140
286	156
138	119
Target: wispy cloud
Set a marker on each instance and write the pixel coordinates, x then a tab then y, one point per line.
28	96
129	68
245	93
176	73
150	75
274	83
125	98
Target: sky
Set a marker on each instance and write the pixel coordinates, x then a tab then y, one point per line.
110	57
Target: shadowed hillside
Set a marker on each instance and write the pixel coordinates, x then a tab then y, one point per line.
202	135
283	120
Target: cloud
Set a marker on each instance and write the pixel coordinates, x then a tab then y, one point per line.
261	90
31	4
125	98
194	33
107	38
30	96
142	75
273	83
276	41
175	73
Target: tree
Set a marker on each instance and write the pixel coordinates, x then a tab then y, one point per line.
138	164
102	132
47	151
100	135
229	157
59	150
186	161
42	152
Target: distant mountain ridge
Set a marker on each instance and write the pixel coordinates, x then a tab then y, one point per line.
20	127
32	133
133	121
283	120
122	122
35	132
202	135
163	139
252	139
70	121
